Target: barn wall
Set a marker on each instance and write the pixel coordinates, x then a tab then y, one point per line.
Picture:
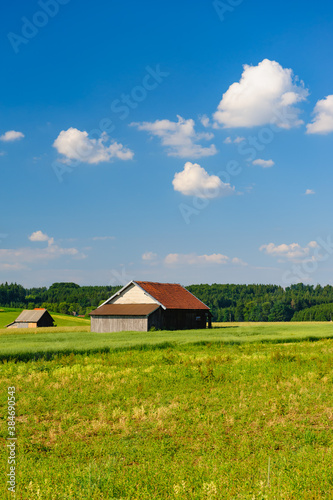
45	320
156	319
133	295
105	324
184	319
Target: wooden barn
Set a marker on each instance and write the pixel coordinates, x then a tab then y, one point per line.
142	305
34	318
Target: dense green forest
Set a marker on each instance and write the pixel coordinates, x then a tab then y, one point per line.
65	298
265	302
227	302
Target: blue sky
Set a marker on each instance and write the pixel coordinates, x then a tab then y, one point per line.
183	142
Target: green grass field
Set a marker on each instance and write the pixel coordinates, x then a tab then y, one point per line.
236	412
26	344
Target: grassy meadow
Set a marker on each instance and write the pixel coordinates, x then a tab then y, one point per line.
236	412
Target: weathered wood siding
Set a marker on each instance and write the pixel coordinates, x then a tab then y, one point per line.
178	319
133	295
105	324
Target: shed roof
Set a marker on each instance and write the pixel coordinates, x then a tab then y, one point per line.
30	316
172	295
125	310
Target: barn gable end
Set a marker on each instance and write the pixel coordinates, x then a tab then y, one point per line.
131	294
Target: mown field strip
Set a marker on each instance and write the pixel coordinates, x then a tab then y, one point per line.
35	343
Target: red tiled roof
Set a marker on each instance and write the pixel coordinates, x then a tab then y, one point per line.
172	296
124	310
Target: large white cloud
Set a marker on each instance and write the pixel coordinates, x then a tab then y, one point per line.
195	181
76	145
266	93
11	135
180	138
292	252
323	119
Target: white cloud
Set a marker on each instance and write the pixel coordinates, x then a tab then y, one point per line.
76	145
238	262
149	256
19	258
205	121
263	163
11	135
266	93
28	255
309	191
192	259
293	252
180	138
195	181
173	259
323	120
237	140
40	236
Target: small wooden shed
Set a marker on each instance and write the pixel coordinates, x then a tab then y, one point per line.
34	318
142	305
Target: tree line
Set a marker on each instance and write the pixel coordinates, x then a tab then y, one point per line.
227	302
266	302
64	298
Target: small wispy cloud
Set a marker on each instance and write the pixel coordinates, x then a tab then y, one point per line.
11	135
237	140
149	256
309	191
192	259
19	258
263	163
180	138
292	252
